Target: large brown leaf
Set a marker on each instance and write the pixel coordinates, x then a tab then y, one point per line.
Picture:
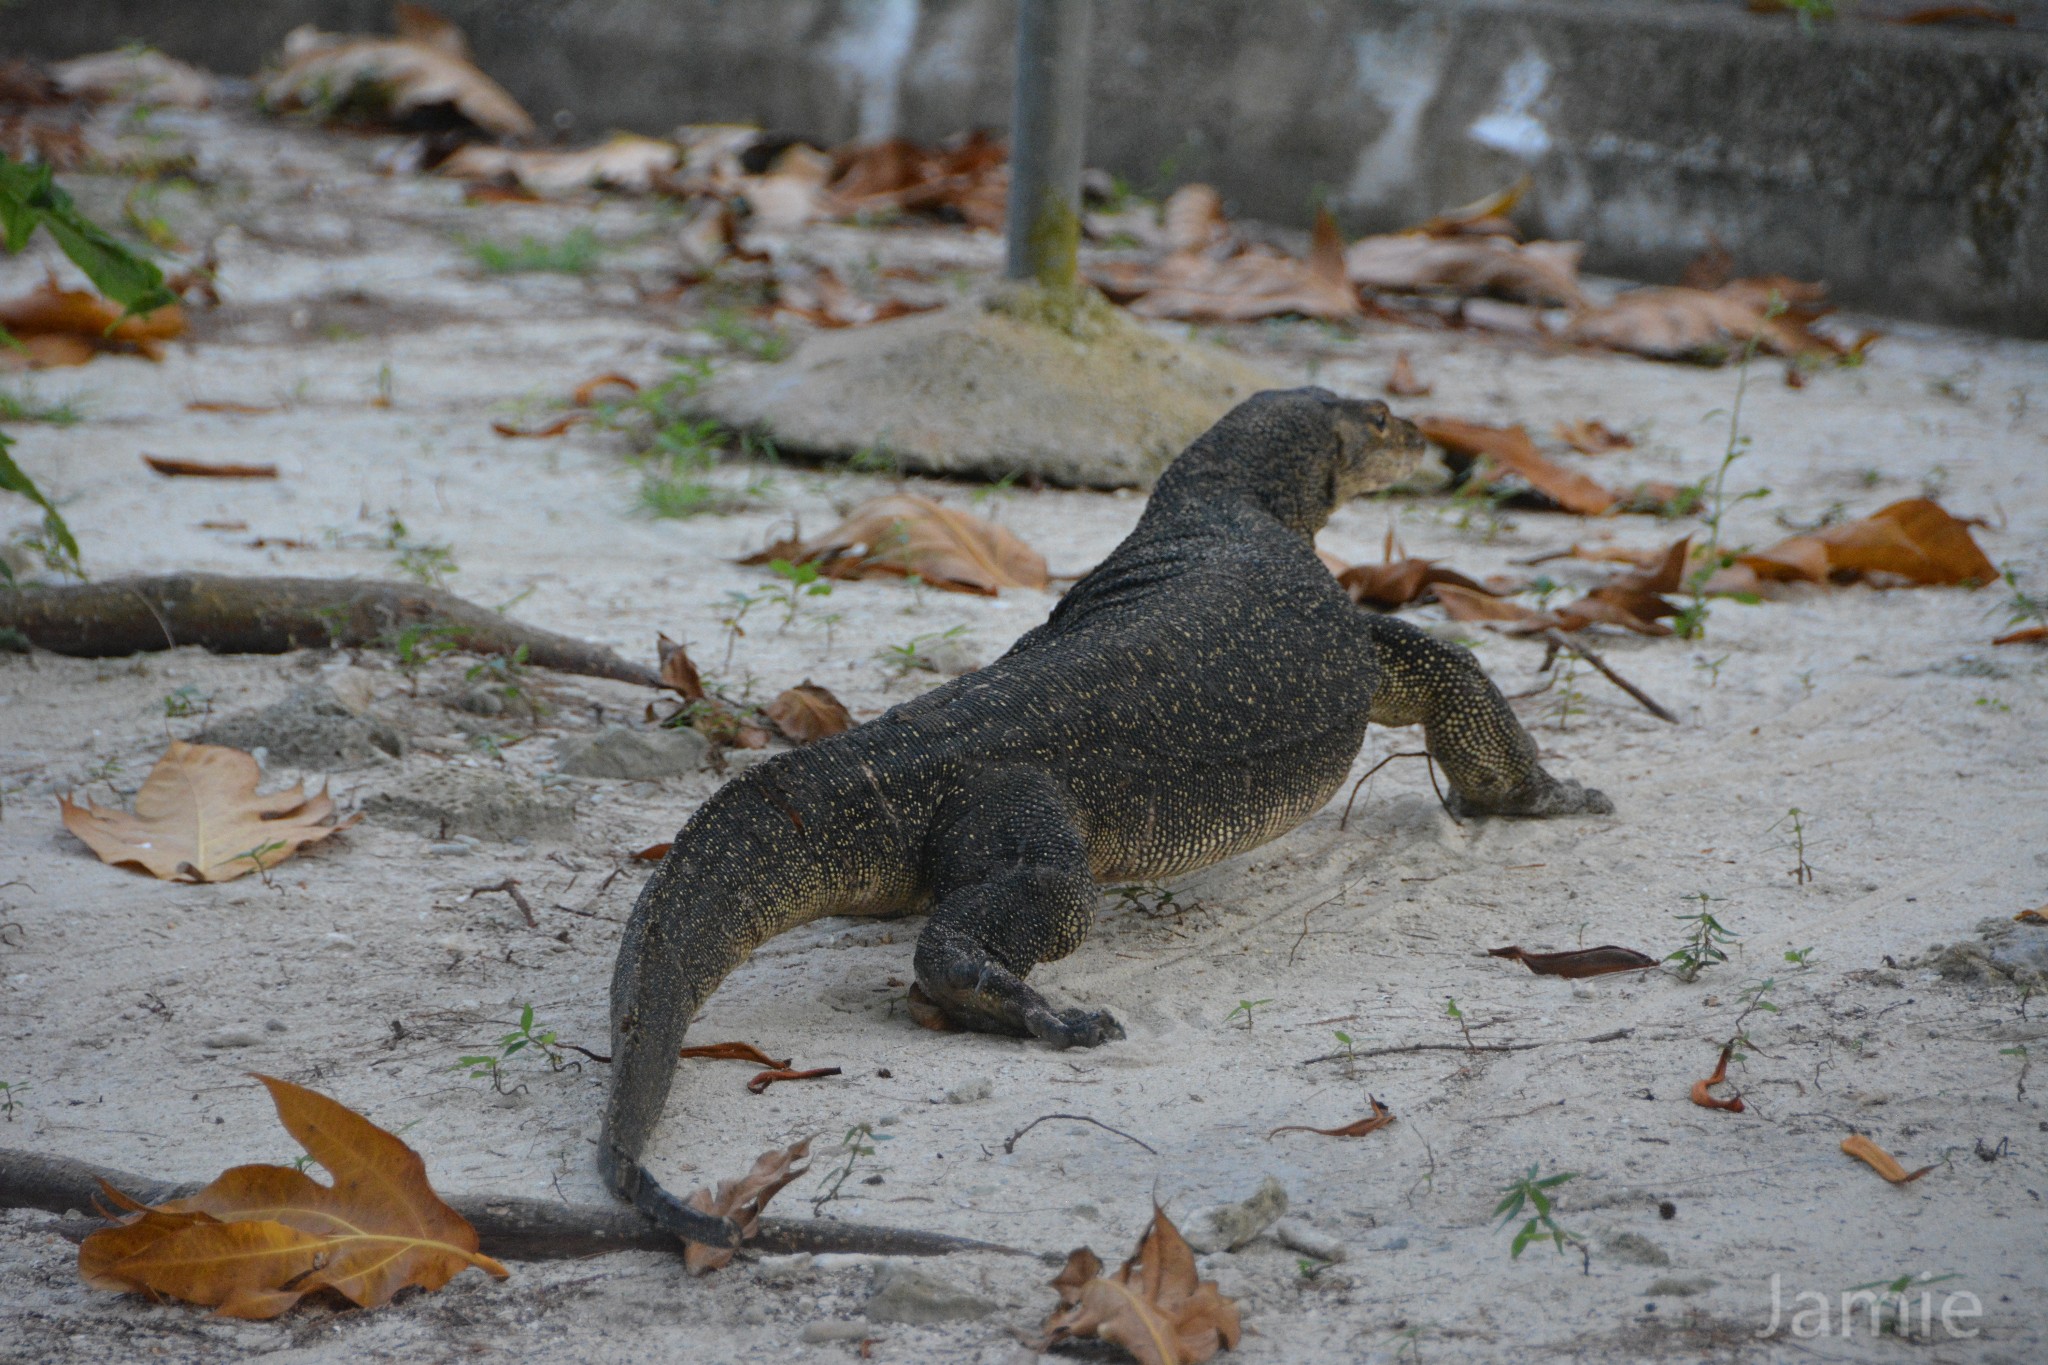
1541	273
198	818
260	1238
808	712
425	67
1510	449
70	326
1915	539
1155	1306
742	1201
1257	282
906	534
1709	325
626	161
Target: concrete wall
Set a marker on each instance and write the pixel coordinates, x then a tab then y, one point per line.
1906	166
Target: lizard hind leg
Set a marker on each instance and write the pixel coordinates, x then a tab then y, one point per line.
1011	889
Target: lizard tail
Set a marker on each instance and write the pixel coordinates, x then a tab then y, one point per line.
748	866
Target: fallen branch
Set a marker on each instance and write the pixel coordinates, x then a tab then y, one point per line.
510	886
1010	1142
1556	639
1614	1036
508	1227
229	615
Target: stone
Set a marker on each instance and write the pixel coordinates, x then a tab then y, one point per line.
226	1038
1087	397
1297	1234
636	755
911	1296
488	803
2003	948
971	1092
1226	1227
311	728
1634	1248
948	657
834	1329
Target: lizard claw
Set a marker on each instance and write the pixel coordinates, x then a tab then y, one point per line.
1074	1028
1544	796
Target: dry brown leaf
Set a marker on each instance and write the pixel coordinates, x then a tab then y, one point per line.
808	712
70	326
742	1201
141	75
555	428
1379	1118
1915	539
1389	586
1958	14
1463	604
783	1073
733	1052
964	179
626	162
653	853
2039	916
1881	1161
1487	217
2026	635
1702	1091
260	1238
1708	326
1592	437
1402	382
1155	1306
198	818
1578	962
426	67
1256	282
238	409
822	299
907	534
200	469
792	192
1541	273
1193	219
677	672
1510	449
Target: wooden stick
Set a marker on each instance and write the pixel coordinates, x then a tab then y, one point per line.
1557	640
507	1226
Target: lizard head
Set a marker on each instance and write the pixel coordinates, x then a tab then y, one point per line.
1375	448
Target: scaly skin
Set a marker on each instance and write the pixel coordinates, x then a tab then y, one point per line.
1203	691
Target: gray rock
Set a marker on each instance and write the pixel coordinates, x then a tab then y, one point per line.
1081	396
311	728
971	1092
1298	1235
488	803
951	658
226	1038
2003	948
834	1329
642	755
1225	1227
911	1296
1634	1248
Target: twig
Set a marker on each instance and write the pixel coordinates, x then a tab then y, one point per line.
1010	1142
1556	640
1614	1036
1413	753
510	886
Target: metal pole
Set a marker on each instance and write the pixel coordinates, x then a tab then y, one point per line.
1044	216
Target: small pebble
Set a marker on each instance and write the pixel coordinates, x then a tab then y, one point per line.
338	940
980	1088
450	849
275	1026
232	1037
832	1329
1298	1235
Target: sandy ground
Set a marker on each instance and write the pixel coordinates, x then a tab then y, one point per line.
133	1009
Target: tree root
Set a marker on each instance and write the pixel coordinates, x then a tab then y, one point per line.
507	1227
229	615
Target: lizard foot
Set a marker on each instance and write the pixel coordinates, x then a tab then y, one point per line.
1073	1028
1541	797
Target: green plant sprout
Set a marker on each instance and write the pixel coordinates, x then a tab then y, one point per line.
756	343
737	605
2019	1082
798	582
492	1064
257	855
185	701
26	407
910	656
1691	621
1245	1008
1794	822
1533	1192
1702	947
10	1098
1453	1013
1802	958
1153	901
857	1143
573	254
419	644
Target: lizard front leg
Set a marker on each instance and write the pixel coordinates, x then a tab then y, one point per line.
1011	889
1468	727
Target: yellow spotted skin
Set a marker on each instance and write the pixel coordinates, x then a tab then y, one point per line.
1201	692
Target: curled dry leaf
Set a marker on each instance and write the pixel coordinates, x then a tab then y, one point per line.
1379	1118
1487	217
198	818
1511	450
58	327
734	1052
2028	635
260	1238
1702	1091
1155	1306
1255	282
200	469
584	396
427	66
1402	383
2039	916
555	428
1881	1161
906	534
1593	437
742	1201
822	299
139	75
627	162
1545	274
808	712
1397	584
783	1073
1608	957
1708	326
1916	539
964	179
677	672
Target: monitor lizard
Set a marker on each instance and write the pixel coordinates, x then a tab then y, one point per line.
1201	692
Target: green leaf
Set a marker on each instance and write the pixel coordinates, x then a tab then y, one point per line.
13	480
